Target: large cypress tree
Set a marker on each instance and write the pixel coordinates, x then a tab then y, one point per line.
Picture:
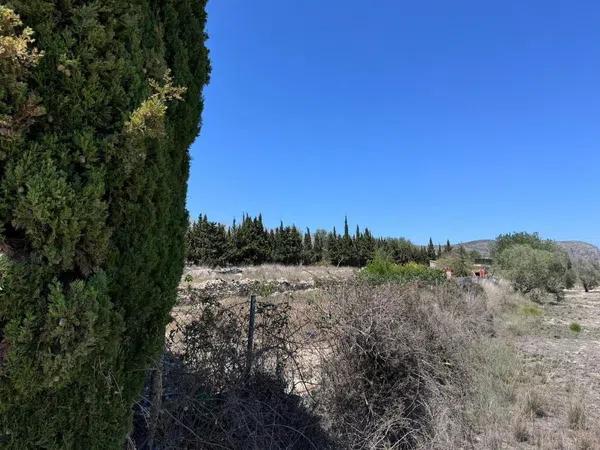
96	116
431	250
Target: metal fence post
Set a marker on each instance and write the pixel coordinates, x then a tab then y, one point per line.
250	348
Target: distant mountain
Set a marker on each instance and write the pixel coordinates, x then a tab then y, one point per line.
575	249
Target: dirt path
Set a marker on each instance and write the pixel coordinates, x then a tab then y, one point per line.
564	371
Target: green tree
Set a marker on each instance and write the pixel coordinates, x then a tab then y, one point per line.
207	243
431	250
448	247
319	245
288	245
96	116
365	248
588	273
333	248
346	247
532	240
534	271
308	256
251	242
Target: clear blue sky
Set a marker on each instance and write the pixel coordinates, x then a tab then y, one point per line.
450	119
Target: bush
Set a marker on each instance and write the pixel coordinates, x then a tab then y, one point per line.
99	102
208	398
383	269
575	327
394	363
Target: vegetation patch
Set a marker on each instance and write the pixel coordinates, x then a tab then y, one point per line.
575	327
531	311
383	269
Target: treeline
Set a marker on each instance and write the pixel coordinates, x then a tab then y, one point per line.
251	243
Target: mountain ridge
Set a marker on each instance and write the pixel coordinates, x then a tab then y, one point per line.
577	250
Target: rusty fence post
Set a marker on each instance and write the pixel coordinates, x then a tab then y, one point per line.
250	348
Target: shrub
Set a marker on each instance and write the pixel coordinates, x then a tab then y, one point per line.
531	310
210	401
393	362
96	116
384	269
575	327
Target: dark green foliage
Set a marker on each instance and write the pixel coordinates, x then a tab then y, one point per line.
532	240
207	243
308	255
431	254
365	248
93	178
448	247
213	244
287	248
250	242
383	269
319	245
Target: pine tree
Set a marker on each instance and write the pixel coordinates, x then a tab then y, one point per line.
431	250
308	256
96	116
288	245
251	242
346	256
319	245
448	247
366	248
333	248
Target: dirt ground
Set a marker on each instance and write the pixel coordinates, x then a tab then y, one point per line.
563	368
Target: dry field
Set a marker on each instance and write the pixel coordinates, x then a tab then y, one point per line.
534	380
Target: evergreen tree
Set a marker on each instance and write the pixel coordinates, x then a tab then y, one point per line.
333	248
308	256
207	243
431	250
448	248
346	251
365	248
319	245
96	116
251	242
288	245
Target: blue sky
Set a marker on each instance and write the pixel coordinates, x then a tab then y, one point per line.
457	119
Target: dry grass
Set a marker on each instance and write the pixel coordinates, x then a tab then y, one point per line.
386	367
576	415
534	403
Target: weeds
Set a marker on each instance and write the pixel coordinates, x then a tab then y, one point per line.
575	327
576	414
534	404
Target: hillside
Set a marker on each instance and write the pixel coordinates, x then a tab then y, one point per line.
575	249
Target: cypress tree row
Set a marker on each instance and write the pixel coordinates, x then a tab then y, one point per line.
99	102
212	244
